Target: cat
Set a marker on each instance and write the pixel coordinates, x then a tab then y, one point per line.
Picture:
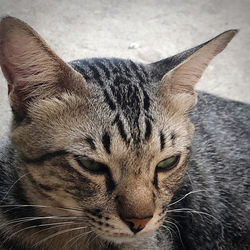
103	154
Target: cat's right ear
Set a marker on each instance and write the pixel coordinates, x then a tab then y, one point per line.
33	71
180	73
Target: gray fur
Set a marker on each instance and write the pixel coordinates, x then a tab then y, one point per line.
130	115
219	167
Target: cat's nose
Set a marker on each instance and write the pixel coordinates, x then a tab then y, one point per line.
136	224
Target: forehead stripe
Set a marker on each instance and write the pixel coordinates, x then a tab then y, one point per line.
104	68
146	100
106	142
96	74
91	143
162	140
120	127
148	129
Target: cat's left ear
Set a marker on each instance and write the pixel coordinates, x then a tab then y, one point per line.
185	69
33	71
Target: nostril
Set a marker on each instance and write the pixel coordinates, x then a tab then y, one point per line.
137	224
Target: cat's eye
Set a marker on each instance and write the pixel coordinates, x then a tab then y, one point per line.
91	165
168	163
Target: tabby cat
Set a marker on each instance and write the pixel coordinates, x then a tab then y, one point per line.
97	153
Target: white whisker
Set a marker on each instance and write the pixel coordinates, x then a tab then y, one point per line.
29	219
78	237
40	206
56	234
43	225
193	211
12	187
192	192
179	233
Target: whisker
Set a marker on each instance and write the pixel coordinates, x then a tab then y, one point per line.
13	186
78	238
192	192
56	234
94	237
179	233
193	211
41	206
43	225
46	229
29	219
169	230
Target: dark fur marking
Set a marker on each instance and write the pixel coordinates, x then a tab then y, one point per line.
121	80
126	69
144	71
108	100
136	70
146	100
104	68
45	187
91	143
113	67
74	194
81	71
96	74
120	127
106	142
162	140
42	188
19	196
94	212
110	184
117	95
173	136
155	181
46	157
148	129
128	98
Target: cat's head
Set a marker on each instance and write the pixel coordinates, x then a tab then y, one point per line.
107	140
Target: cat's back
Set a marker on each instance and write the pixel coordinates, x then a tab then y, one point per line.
221	147
222	129
218	177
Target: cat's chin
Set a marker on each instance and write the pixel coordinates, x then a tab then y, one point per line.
128	238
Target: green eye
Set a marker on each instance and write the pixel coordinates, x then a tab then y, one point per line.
92	166
168	163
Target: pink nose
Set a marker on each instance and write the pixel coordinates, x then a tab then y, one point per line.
136	224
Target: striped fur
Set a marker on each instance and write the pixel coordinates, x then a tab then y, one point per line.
126	117
126	88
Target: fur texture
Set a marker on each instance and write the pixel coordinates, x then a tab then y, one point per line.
123	118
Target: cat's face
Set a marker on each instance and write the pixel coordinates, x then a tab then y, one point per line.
129	185
108	144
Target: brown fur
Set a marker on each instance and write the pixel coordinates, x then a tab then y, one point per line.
57	113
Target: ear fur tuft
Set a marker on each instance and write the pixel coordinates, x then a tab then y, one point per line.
31	68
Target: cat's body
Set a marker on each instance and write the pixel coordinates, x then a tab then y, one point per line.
116	112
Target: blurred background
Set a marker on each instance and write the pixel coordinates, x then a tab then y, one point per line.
143	30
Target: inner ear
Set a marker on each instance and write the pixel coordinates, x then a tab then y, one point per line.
31	68
182	79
